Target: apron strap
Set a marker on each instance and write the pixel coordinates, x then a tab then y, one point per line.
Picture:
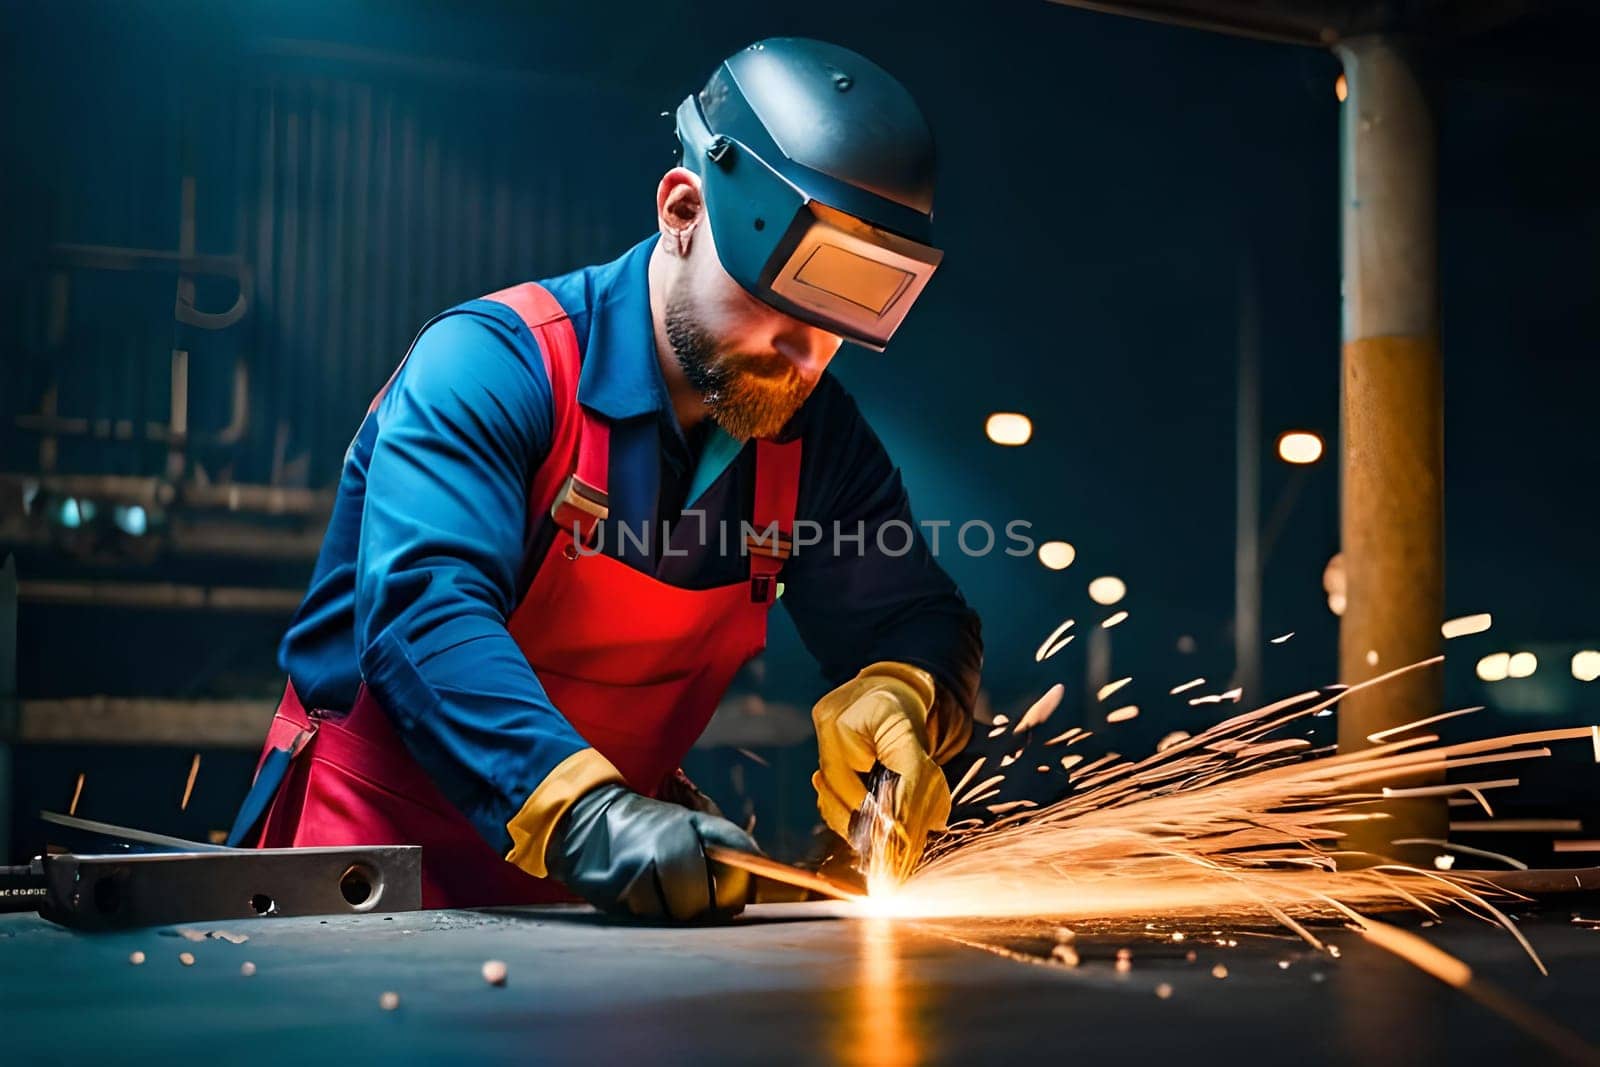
772	539
583	502
579	502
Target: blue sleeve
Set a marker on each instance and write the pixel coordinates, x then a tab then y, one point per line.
856	601
459	434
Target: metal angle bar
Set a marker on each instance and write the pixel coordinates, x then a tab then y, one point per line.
158	889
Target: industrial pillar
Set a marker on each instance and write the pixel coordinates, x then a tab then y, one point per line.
1247	496
1392	461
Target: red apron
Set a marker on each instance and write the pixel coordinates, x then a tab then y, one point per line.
636	665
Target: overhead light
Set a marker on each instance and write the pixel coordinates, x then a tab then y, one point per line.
1299	447
1335	584
1008	428
1495	667
1107	590
1057	555
1522	665
1586	665
131	520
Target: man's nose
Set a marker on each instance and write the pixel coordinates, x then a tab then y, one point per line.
808	349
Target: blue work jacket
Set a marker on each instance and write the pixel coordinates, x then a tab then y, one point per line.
429	550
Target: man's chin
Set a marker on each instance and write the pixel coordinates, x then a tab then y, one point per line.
757	406
745	421
743	426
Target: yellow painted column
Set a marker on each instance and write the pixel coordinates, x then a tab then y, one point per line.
1392	449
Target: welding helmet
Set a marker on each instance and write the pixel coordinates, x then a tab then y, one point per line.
817	174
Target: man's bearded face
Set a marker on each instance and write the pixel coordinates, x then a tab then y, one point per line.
748	394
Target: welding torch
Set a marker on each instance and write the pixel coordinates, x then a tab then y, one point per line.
880	842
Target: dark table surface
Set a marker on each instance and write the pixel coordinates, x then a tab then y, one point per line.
784	983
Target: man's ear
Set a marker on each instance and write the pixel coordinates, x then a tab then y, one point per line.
680	207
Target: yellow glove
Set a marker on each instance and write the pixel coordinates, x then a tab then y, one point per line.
881	716
531	827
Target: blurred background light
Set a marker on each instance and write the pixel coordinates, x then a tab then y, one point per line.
1107	590
1586	665
1008	428
131	520
1299	447
1522	665
1495	667
1057	555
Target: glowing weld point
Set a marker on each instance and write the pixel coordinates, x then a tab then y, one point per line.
1444	861
1011	805
1040	710
972	772
1048	646
982	788
1059	645
1171	739
1111	687
1466	624
188	787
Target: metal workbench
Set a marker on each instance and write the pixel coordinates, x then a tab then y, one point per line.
783	984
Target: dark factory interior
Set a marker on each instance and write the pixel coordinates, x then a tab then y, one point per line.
1264	348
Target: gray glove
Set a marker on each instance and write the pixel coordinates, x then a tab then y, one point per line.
632	855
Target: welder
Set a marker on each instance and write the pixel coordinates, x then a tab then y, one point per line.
561	525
